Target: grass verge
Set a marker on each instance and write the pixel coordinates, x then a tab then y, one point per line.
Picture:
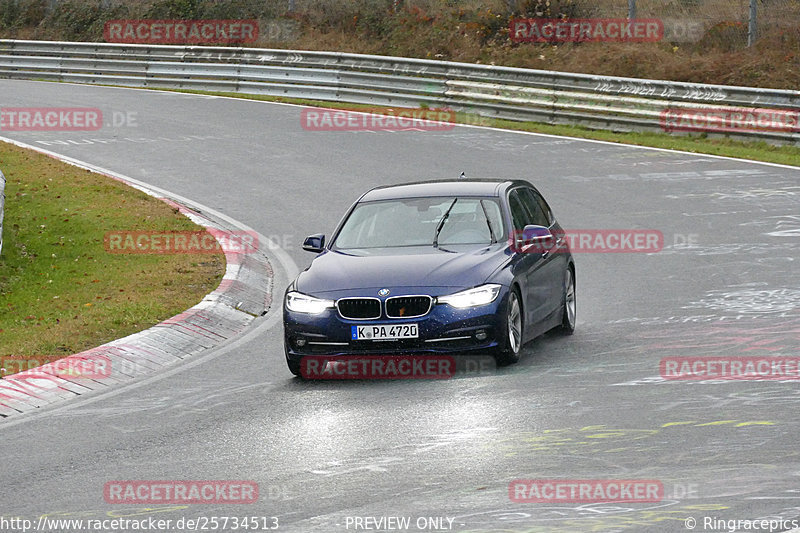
60	291
701	143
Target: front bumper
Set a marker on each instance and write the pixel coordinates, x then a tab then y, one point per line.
444	330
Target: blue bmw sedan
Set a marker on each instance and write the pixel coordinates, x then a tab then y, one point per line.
464	266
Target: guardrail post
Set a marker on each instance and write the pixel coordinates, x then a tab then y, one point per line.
752	28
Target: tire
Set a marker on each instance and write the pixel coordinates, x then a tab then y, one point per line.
569	314
511	346
294	366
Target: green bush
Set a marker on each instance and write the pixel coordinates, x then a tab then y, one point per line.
554	9
33	13
371	17
80	20
174	9
9	13
244	9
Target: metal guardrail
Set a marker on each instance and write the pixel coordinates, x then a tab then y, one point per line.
601	102
2	206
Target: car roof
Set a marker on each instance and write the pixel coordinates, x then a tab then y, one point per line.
448	187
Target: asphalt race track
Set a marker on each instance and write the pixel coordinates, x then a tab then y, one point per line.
590	406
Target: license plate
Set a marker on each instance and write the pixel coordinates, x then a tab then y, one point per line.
387	332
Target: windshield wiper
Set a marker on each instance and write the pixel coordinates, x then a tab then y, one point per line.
441	224
488	223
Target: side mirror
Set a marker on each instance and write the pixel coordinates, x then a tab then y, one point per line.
314	243
532	239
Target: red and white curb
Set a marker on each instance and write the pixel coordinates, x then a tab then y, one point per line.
244	294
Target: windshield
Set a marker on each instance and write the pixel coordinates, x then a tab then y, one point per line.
440	221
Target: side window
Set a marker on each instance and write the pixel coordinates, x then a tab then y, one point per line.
545	208
518	213
538	216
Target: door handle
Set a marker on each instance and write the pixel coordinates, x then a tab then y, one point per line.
557	245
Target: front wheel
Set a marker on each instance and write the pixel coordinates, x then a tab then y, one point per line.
570	304
512	338
294	365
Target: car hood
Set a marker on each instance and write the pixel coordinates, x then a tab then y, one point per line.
360	273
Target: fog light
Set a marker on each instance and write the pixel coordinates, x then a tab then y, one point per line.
480	335
300	342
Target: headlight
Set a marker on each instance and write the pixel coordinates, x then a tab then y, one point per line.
303	303
485	294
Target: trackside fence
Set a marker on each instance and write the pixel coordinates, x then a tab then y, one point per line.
599	102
